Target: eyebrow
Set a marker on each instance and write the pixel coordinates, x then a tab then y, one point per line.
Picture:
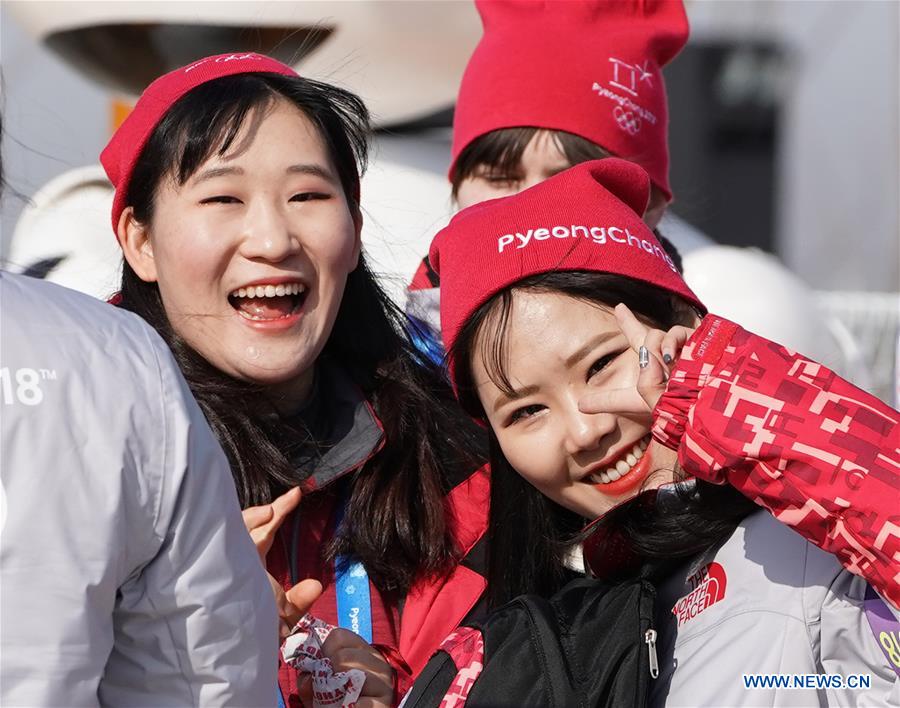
305	169
312	169
516	394
589	346
214	172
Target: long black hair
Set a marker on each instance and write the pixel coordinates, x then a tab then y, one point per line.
395	517
529	535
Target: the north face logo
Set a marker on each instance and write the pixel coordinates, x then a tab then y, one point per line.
708	588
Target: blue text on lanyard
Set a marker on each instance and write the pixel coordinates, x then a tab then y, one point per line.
354	605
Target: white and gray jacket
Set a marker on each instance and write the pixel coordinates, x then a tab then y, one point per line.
126	575
766	602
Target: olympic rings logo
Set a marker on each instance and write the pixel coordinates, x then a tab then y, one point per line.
627	120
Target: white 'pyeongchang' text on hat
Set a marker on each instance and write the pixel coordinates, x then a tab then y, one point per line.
598	234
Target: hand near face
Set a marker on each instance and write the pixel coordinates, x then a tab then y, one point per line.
657	353
264	521
348	650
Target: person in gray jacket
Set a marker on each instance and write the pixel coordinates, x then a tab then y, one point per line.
127	575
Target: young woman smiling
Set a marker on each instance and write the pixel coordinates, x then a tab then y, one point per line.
237	209
524	116
603	381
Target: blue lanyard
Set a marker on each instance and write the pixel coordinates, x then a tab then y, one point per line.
354	604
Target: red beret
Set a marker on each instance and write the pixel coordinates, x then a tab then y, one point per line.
588	67
125	146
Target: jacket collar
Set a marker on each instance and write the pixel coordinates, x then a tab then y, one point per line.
343	430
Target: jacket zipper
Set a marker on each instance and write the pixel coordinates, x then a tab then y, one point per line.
650	641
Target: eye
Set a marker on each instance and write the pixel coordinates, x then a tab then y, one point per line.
499	180
221	199
496	178
309	196
525	412
602	363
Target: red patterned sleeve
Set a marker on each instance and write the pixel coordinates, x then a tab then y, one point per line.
819	453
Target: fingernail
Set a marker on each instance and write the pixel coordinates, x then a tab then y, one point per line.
667	358
643	357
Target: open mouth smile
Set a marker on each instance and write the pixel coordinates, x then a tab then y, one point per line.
269	302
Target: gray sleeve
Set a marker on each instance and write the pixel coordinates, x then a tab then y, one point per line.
195	625
848	646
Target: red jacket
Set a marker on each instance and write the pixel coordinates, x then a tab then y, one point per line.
819	453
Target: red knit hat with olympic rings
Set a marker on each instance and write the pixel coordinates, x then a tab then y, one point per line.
588	67
124	148
585	218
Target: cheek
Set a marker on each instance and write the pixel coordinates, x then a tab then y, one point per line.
333	251
530	455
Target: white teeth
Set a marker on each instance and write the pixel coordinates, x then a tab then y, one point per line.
623	466
270	290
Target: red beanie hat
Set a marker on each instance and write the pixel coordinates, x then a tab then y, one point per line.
125	146
588	67
586	218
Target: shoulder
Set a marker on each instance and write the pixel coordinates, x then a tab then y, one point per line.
764	567
789	606
79	369
49	328
45	310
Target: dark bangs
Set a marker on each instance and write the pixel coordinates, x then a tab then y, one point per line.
501	150
207	121
486	329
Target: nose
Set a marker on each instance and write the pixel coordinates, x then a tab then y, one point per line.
268	234
585	431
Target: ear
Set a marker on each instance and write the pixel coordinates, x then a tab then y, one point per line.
685	313
656	208
357	244
134	238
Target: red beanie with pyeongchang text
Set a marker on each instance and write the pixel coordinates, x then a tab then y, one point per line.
587	67
586	218
124	148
